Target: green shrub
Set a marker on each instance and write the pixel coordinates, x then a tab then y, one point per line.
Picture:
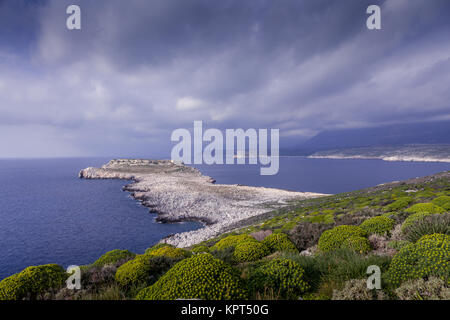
250	251
134	271
436	223
413	219
279	242
428	256
198	277
114	256
398	204
397	244
142	270
200	249
356	289
378	225
431	289
357	244
320	218
232	241
226	255
443	202
336	267
283	276
424	194
169	252
32	281
111	292
334	238
158	246
424	208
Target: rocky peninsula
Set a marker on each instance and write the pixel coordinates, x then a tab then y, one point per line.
177	192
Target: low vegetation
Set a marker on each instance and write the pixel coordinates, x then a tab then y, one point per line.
314	249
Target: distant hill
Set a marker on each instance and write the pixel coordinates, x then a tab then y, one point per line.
409	152
401	134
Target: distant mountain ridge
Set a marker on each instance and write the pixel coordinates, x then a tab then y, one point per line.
437	132
413	152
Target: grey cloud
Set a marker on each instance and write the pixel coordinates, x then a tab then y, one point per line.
301	66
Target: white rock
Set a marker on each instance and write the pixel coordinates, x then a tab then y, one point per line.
181	193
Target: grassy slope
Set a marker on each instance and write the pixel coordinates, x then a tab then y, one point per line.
357	205
323	272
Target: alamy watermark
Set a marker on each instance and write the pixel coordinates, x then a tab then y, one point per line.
374	280
74	280
373	22
234	147
73	21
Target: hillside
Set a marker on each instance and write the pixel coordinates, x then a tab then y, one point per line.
415	152
437	132
313	249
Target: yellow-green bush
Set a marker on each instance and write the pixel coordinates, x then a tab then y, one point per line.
169	252
398	204
378	225
283	276
158	246
250	251
430	255
113	256
144	269
279	242
134	271
32	281
334	238
424	208
443	202
232	241
198	277
357	244
320	218
200	249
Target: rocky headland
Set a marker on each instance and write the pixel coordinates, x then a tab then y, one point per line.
177	192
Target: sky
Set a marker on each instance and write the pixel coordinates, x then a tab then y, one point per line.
137	70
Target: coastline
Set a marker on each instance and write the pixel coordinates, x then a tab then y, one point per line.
384	158
176	192
407	153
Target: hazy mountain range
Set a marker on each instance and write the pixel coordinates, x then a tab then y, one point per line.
415	152
384	141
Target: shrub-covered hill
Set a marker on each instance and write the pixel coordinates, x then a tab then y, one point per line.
314	249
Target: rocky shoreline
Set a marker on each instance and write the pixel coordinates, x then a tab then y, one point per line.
180	193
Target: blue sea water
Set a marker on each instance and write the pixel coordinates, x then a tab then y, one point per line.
48	215
323	175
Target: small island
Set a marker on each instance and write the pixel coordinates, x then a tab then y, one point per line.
177	192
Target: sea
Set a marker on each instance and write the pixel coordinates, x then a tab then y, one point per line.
48	215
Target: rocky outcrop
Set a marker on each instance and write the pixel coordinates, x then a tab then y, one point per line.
180	193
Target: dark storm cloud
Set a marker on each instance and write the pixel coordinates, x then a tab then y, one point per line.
139	69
